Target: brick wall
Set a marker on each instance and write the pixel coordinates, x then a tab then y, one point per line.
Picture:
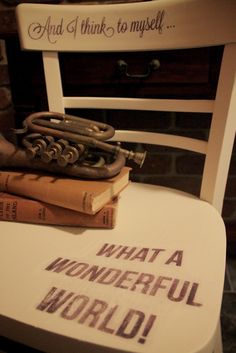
165	166
6	108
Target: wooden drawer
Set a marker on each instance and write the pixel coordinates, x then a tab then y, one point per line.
182	73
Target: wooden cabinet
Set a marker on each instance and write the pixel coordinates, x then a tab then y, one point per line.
182	73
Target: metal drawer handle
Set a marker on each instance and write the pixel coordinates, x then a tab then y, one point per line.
152	66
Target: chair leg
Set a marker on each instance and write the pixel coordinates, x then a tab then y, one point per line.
218	341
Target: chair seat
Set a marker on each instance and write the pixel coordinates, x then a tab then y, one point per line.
152	284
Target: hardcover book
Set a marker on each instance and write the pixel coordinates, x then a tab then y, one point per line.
20	209
87	196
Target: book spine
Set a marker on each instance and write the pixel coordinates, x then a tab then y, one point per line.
19	209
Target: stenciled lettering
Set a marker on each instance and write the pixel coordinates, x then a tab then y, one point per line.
133	253
52	28
72	26
49	30
149	24
98	314
90	27
174	289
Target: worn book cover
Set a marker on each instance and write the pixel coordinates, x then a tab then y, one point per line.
15	208
87	196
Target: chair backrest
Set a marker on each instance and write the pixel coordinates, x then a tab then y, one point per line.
145	26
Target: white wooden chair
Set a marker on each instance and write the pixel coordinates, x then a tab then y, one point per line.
169	247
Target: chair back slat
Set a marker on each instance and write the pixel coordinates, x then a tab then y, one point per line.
54	87
170	105
154	138
162	24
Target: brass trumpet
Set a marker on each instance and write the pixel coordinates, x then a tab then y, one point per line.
69	145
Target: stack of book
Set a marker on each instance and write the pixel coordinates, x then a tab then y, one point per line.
56	200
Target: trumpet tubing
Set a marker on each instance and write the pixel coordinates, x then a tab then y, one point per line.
73	145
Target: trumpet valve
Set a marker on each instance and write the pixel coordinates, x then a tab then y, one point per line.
37	147
69	155
54	151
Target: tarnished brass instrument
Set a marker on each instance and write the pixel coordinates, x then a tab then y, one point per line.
69	145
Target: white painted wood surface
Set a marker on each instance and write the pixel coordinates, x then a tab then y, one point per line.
179	283
167	239
161	24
